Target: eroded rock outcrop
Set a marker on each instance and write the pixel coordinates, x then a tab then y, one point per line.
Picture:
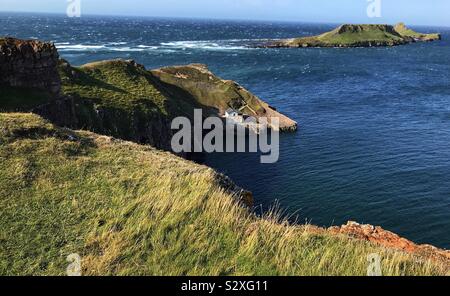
378	235
29	64
242	195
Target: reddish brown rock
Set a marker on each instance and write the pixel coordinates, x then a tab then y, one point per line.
390	240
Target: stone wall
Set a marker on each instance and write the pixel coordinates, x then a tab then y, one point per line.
29	64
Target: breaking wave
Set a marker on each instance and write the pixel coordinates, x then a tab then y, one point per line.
211	45
218	45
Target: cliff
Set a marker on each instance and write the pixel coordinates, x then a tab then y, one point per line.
128	209
29	64
349	35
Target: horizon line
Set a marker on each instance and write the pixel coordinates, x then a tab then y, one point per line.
215	18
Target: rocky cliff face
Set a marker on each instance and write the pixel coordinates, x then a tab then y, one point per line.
378	235
29	64
347	28
135	126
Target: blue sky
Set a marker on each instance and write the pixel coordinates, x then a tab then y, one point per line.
414	12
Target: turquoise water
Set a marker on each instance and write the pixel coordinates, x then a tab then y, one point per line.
374	138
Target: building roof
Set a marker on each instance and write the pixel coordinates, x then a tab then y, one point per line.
231	110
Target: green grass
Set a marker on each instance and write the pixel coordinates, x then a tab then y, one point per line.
110	84
124	88
206	89
361	35
133	210
114	83
121	99
352	37
405	31
347	35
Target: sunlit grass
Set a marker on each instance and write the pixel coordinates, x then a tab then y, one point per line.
114	83
133	210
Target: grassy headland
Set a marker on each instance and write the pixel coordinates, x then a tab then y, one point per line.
134	210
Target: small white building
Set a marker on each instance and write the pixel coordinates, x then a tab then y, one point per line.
231	113
234	116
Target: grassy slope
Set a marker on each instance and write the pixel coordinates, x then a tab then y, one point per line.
208	89
122	99
362	33
355	34
122	85
125	91
214	94
352	37
405	31
114	84
130	209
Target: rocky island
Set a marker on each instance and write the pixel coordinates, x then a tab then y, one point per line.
83	170
349	35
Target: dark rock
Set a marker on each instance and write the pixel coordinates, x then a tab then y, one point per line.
29	64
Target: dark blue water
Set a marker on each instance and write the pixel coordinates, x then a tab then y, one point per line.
374	138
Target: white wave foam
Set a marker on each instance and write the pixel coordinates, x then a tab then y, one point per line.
147	47
83	47
217	45
117	43
164	47
126	49
78	47
247	40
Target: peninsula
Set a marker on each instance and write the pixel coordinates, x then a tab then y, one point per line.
349	35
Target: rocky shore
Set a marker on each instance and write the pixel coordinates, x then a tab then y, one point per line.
387	239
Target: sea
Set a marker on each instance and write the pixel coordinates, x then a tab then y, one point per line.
373	143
